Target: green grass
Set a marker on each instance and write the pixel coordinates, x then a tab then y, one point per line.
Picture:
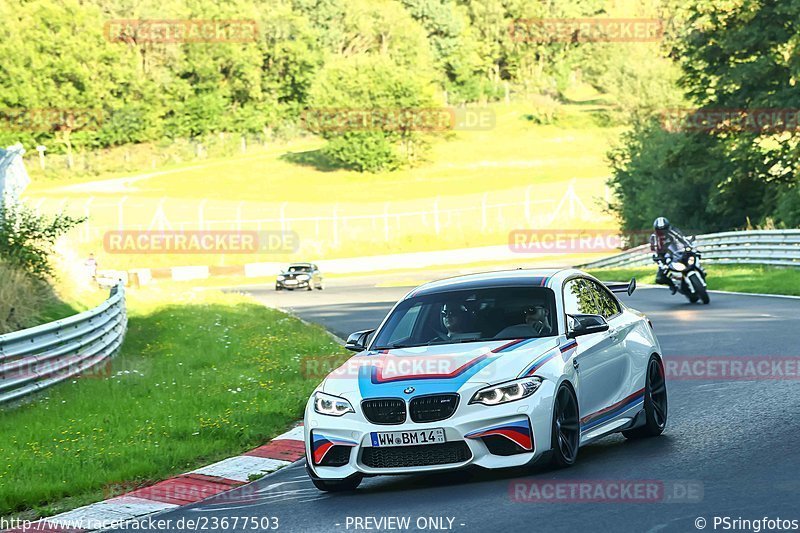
202	378
736	278
515	159
573	147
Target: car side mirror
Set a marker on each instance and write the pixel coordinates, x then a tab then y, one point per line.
578	325
357	341
631	287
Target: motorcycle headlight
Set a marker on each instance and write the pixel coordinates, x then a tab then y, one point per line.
304	277
691	261
507	392
326	404
679	267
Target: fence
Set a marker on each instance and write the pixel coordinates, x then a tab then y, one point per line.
768	247
331	229
38	357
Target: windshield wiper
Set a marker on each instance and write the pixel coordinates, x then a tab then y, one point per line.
459	341
392	346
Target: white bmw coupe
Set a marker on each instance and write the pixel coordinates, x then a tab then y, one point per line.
492	370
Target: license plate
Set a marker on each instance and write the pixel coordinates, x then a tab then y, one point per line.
290	282
407	438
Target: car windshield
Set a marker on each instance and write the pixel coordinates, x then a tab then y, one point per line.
497	313
299	268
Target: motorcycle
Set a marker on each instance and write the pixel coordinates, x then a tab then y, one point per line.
688	276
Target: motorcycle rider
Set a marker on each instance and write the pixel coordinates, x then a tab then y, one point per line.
666	242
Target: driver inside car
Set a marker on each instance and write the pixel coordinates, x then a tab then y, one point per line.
536	323
537	317
459	321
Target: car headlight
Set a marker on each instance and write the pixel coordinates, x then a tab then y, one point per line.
678	267
507	392
304	277
281	278
325	404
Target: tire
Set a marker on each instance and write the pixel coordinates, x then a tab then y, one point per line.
336	485
655	403
565	435
310	286
700	290
278	288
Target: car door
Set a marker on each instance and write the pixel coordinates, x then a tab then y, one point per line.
602	363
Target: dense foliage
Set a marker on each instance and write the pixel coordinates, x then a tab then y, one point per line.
27	238
741	58
119	86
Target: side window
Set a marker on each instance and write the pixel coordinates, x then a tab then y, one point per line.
579	297
405	327
608	305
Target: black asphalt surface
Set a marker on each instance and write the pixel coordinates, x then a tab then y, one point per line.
733	445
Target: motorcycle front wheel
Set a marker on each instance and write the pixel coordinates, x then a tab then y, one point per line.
700	291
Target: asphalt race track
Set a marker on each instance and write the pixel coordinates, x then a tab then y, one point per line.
733	443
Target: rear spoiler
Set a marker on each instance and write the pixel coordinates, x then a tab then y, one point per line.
616	286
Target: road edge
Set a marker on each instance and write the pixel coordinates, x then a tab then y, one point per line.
179	491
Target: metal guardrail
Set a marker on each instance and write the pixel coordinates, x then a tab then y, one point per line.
38	357
767	247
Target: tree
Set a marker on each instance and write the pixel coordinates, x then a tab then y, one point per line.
738	58
379	90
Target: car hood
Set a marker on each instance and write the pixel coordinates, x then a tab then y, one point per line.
434	369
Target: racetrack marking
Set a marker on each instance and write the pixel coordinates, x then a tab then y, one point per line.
242	467
296	433
115	509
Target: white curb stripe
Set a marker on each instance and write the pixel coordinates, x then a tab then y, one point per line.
241	468
121	508
296	433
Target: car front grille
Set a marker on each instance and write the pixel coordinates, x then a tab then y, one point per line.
433	408
422	455
385	411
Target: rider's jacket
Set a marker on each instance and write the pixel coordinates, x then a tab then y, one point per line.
667	244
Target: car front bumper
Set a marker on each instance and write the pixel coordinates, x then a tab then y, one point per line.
474	435
299	284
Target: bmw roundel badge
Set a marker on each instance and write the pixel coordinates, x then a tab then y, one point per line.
409	390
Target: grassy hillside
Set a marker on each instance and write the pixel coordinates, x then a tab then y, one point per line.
475	188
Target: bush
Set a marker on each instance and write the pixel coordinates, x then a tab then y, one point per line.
22	299
27	238
363	151
374	84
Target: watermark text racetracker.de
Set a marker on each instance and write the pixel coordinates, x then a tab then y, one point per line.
568	241
137	31
45	119
606	491
755	120
732	368
586	30
397	120
200	242
153	523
